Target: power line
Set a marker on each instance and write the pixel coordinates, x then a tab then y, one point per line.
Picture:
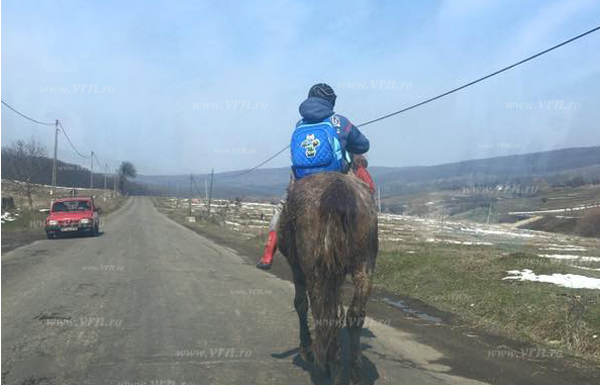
57	122
50	124
197	189
482	78
71	143
440	95
259	165
27	117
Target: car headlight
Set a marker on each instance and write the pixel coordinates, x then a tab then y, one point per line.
85	221
52	223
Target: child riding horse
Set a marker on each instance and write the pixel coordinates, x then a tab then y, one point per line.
322	141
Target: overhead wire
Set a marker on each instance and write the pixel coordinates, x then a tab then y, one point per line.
197	189
64	131
429	100
62	128
426	101
27	117
97	160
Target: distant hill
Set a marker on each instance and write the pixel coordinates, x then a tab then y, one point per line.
68	175
262	184
555	167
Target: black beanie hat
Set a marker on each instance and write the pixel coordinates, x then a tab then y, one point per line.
323	91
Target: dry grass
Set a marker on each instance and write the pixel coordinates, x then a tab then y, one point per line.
589	224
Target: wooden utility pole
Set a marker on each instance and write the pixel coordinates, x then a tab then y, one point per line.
205	191
92	171
190	198
105	174
55	155
489	212
212	174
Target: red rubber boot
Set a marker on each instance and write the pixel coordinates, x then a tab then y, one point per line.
267	259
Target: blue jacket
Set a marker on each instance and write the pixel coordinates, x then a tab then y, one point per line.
315	110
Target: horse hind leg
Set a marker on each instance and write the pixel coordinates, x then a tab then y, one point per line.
355	318
301	306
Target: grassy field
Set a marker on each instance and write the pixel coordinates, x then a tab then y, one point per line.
468	281
554	209
459	267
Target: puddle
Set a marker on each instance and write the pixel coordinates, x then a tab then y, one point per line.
412	312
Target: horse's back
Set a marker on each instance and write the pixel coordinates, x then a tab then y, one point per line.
332	217
333	190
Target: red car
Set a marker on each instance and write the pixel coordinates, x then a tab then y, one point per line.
72	216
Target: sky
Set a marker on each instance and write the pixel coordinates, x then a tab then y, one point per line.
186	86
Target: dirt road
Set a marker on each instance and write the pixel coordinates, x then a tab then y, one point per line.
150	301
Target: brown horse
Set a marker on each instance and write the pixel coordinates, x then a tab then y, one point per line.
328	229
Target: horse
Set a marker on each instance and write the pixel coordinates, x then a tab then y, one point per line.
327	230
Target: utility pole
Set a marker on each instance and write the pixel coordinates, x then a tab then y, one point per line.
55	155
190	199
115	181
489	213
105	174
205	192
212	173
379	197
92	171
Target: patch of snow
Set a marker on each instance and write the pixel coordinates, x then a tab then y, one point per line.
573	281
9	217
451	241
497	232
393	239
570	256
455	242
565	248
585	268
577	208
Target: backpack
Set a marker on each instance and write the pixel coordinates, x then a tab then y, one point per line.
315	148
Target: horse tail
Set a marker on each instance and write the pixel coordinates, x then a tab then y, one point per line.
337	216
337	212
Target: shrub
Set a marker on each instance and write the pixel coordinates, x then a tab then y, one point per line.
589	224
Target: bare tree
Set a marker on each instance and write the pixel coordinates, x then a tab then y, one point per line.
126	170
25	164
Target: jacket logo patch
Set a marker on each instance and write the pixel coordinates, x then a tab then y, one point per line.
335	120
310	144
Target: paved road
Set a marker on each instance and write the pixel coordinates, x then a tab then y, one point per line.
150	301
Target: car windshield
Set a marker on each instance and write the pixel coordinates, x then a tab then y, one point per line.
392	168
71	206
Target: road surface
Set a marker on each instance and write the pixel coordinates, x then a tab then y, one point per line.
150	301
